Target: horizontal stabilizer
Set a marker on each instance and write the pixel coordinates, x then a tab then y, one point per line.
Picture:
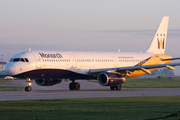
170	59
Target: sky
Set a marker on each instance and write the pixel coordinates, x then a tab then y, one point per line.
91	25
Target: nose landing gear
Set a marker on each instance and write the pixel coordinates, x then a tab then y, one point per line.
28	88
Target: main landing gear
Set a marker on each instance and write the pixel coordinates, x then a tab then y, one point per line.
74	85
117	87
28	88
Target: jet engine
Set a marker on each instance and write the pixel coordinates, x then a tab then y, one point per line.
45	82
110	79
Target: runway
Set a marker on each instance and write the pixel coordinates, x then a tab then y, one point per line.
88	90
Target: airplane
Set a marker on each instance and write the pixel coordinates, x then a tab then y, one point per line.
109	68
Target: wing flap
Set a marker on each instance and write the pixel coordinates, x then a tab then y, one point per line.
170	67
146	71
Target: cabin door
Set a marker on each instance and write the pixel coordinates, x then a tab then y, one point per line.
115	61
38	61
73	61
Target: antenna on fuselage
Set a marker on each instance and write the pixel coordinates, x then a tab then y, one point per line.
29	49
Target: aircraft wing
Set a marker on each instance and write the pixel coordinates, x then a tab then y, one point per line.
133	68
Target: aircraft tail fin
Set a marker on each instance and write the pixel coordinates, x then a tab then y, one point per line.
158	43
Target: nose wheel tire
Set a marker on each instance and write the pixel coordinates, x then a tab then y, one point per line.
74	86
28	88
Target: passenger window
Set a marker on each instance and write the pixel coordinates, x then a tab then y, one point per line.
26	60
16	59
22	60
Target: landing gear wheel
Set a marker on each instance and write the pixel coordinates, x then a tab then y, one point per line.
77	86
117	87
71	86
29	82
113	87
28	88
74	86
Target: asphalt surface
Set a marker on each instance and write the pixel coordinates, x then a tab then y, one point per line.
88	90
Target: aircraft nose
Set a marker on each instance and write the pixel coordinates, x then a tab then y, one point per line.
10	69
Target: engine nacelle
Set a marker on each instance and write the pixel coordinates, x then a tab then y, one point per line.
44	82
110	79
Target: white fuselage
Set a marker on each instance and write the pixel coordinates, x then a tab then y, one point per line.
78	62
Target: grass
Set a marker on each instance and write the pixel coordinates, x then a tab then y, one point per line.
132	108
151	82
4	81
11	88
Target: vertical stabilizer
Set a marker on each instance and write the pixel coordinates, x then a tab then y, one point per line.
158	44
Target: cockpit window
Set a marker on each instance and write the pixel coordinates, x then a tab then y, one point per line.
16	59
26	60
22	60
11	60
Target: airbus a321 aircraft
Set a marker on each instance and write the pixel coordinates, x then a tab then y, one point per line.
109	68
